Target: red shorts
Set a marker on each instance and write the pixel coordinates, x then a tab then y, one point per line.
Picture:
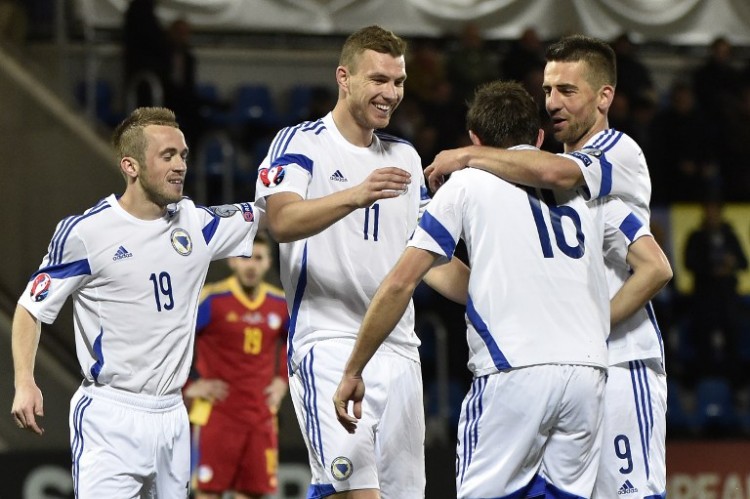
241	458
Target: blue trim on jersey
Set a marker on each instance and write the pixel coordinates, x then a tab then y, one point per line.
652	317
57	246
320	490
439	233
97	367
387	137
630	226
663	495
204	313
535	489
78	444
310	404
281	141
643	409
210	229
297	159
63	270
496	354
611	137
301	285
424	194
474	410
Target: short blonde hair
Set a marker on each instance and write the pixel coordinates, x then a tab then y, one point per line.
128	138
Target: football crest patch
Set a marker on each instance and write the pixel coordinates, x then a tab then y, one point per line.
40	287
271	177
181	242
341	468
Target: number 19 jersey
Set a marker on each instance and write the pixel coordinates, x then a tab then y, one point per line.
330	277
135	286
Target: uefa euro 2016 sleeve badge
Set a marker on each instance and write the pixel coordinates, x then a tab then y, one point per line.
181	242
341	468
271	177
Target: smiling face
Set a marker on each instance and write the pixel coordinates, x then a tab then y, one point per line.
161	177
374	88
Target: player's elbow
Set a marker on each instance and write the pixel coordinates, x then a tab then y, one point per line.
663	274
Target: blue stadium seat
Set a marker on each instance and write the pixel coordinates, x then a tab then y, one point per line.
715	410
254	106
104	102
679	420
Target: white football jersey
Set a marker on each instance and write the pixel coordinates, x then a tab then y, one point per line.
135	286
537	290
613	164
330	278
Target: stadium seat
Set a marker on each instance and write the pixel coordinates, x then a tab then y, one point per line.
715	411
104	102
679	421
253	106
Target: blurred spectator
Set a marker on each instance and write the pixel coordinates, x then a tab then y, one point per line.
146	49
525	54
426	72
683	143
716	81
714	256
633	77
469	62
735	151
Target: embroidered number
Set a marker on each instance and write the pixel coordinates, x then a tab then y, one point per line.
375	221
622	450
162	291
556	215
253	340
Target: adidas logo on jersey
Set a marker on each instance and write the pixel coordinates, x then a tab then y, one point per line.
121	253
339	177
627	488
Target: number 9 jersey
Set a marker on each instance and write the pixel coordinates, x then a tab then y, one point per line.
135	286
330	278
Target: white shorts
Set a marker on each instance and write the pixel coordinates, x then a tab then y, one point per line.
633	462
127	445
387	450
531	431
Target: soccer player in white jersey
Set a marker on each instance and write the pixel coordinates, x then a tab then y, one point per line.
343	201
134	265
579	83
530	423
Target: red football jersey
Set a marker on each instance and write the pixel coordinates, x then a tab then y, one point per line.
242	342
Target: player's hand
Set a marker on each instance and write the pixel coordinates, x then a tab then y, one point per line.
209	389
445	163
351	388
383	183
275	393
27	406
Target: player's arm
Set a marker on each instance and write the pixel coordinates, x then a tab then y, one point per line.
291	218
27	402
450	280
651	272
534	168
386	309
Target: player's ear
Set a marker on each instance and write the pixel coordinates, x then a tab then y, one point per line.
342	78
540	138
474	139
129	166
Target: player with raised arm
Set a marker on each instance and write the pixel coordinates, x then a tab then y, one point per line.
343	200
579	83
134	265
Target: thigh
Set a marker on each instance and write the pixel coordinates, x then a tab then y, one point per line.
110	450
173	453
633	444
220	449
339	461
571	456
502	432
401	431
259	461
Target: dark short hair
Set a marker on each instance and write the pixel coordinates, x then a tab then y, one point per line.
370	38
504	114
597	54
